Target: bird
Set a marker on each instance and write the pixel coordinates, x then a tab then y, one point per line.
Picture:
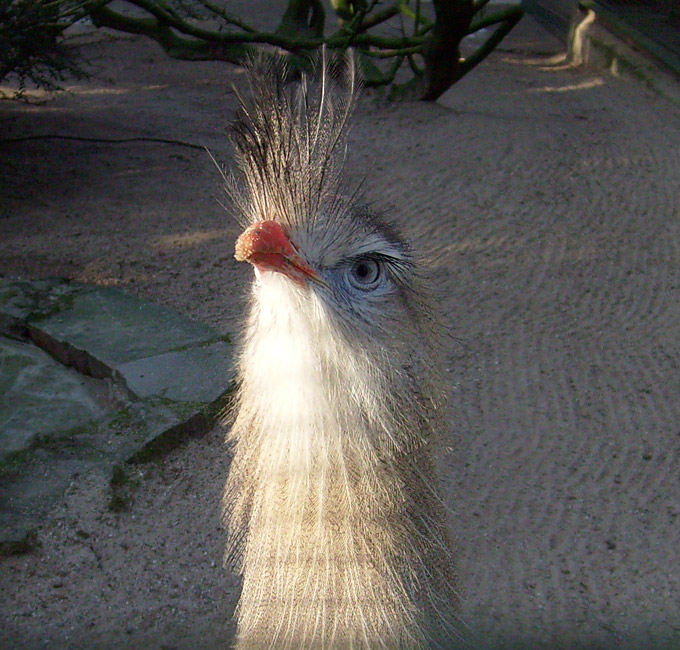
336	525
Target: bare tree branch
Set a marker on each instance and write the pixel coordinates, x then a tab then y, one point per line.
506	19
387	35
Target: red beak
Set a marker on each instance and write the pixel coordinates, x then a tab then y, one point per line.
267	247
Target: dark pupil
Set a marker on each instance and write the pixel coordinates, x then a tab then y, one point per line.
363	271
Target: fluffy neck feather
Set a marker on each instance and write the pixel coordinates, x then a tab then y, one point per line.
335	524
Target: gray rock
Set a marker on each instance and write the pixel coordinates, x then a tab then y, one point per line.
97	380
39	396
111	327
198	374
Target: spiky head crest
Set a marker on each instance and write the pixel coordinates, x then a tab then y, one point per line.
290	139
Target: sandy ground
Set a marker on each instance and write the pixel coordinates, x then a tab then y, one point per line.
552	195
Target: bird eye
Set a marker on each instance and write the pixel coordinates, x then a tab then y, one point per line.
365	274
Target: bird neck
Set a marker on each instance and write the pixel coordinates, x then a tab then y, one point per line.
336	551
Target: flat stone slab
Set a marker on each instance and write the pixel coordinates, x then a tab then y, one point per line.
91	379
21	300
116	328
39	396
193	375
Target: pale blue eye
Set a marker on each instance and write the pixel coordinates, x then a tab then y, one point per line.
365	273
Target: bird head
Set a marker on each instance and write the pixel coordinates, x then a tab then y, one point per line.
331	271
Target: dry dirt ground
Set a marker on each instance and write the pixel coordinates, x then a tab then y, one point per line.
551	194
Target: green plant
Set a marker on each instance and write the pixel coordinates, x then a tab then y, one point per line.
386	35
32	46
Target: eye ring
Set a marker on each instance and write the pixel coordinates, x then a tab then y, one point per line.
365	273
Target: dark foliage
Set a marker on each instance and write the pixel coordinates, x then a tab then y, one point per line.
32	48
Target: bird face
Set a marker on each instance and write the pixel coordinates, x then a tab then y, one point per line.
355	268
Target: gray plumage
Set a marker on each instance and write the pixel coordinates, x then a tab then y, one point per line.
334	517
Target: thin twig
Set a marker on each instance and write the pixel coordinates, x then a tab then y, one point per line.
77	138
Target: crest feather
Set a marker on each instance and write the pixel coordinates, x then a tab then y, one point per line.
289	139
